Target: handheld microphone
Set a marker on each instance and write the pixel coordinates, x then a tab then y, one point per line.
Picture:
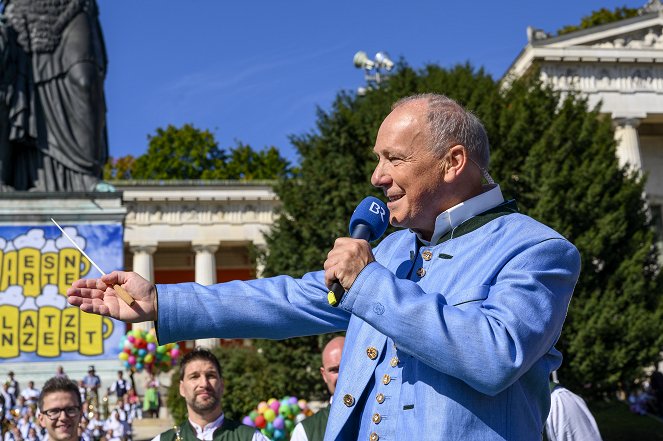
368	222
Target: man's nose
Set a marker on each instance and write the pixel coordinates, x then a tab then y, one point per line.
379	178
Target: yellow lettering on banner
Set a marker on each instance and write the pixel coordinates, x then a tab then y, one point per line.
9	344
49	332
94	329
69	329
28	271
71	266
28	331
49	269
9	270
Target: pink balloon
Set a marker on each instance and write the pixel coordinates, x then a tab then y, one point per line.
131	360
175	353
131	338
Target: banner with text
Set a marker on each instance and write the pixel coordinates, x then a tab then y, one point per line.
37	266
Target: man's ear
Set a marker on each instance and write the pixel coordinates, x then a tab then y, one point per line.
454	162
181	393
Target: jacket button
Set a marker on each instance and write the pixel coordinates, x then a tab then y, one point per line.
394	361
374	437
386	379
377	418
348	400
372	352
379	398
421	272
427	255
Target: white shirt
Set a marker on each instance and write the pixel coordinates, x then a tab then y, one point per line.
569	418
298	433
207	433
456	215
31	395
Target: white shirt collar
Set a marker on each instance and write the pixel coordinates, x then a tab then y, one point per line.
459	213
207	432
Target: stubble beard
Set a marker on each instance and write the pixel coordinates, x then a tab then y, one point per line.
204	406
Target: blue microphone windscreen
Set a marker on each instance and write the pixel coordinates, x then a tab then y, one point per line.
373	213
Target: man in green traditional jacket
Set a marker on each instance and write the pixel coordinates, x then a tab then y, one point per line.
313	427
201	386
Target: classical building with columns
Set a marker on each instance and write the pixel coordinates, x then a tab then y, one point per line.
202	231
619	67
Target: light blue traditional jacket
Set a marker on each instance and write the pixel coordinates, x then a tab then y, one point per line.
450	341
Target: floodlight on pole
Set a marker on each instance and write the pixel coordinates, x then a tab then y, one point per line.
372	69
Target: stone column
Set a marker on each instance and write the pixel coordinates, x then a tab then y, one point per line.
628	145
206	275
144	266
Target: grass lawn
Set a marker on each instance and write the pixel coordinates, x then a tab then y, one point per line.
617	423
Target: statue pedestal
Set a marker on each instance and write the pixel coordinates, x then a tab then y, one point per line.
27	207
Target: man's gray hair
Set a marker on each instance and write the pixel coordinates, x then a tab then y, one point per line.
450	124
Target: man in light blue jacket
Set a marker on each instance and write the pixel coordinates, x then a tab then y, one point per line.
451	322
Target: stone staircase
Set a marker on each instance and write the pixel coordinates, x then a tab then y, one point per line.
148	428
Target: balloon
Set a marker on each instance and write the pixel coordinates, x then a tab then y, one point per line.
262	407
279	423
131	338
175	353
248	422
131	360
253	414
278	435
274	405
123	356
142	352
293	400
151	347
269	415
139	366
149	358
289	425
260	422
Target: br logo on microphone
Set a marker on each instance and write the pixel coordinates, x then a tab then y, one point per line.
377	209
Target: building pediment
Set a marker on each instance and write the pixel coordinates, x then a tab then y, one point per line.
637	40
643	31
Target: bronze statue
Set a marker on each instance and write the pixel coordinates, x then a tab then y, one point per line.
54	102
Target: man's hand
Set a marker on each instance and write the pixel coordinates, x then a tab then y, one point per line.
346	260
97	296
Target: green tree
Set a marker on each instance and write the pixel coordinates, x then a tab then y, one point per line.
119	169
602	16
556	156
180	153
190	153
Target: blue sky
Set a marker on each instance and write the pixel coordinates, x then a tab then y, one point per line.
255	71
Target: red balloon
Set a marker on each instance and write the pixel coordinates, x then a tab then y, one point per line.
260	422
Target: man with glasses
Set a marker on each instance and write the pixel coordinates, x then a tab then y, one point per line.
60	409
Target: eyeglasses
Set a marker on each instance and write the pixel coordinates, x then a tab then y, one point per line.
54	414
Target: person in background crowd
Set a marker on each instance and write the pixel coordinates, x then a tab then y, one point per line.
30	394
8	398
313	427
201	386
13	389
92	382
95	426
114	428
151	399
120	386
60	409
60	372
